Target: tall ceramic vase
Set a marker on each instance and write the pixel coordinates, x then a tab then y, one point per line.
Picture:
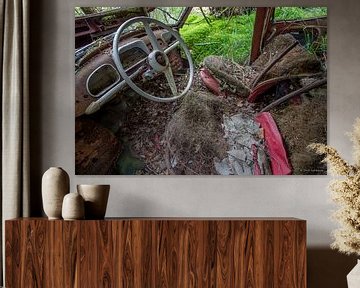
353	278
55	185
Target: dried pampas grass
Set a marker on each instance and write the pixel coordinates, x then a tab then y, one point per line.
345	191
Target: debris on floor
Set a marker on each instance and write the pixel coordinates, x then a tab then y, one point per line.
301	125
297	61
97	148
246	154
194	135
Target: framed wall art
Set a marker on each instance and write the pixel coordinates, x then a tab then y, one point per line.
200	90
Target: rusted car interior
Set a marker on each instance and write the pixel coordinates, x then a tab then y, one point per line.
126	60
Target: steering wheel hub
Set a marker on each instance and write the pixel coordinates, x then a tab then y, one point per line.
158	60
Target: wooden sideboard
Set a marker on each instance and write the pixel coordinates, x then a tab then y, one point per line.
156	252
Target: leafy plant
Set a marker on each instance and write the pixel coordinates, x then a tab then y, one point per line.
345	191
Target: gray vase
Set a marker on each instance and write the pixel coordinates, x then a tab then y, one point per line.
73	207
55	185
96	198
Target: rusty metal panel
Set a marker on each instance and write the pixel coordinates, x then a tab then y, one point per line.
264	16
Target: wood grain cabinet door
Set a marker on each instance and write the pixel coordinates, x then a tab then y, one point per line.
141	253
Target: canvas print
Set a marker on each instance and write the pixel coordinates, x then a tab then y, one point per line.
200	90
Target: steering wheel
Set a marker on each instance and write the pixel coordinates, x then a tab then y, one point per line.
157	59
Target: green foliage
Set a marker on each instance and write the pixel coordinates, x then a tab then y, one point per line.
231	37
227	37
288	13
317	47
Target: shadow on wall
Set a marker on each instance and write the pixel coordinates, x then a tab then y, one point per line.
36	110
328	268
139	207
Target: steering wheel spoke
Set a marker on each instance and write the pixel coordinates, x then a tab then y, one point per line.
152	37
171	47
170	79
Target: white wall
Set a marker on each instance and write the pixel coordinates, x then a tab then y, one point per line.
297	196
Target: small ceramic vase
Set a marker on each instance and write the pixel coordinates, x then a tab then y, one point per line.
353	278
55	185
96	198
73	207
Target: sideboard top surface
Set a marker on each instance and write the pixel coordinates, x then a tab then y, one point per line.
175	219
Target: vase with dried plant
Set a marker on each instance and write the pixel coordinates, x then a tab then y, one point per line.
345	192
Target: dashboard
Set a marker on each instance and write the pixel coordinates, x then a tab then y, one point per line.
96	75
106	76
